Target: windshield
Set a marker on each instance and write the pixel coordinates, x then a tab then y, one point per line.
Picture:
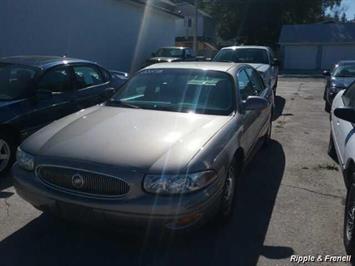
345	71
242	55
15	81
197	91
170	52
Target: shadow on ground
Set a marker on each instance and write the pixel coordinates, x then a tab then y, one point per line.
48	241
279	107
5	182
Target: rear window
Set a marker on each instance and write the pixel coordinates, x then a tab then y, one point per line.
243	55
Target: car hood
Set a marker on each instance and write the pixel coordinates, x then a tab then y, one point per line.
148	140
342	82
260	67
164	59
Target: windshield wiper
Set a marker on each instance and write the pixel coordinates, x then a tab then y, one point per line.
122	103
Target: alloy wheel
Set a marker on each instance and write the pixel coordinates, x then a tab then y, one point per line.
228	193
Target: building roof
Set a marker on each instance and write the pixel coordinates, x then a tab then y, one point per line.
318	33
39	61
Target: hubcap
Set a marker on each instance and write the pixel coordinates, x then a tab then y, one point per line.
229	190
5	154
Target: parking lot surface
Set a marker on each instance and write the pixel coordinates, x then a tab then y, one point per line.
292	202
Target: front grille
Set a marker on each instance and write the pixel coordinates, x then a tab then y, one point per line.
81	181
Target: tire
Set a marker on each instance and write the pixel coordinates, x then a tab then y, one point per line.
327	107
7	152
331	148
349	220
229	194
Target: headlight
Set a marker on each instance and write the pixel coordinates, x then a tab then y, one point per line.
335	88
25	160
178	184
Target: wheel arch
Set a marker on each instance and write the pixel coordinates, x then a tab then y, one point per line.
12	131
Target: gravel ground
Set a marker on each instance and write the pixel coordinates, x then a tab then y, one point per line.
291	204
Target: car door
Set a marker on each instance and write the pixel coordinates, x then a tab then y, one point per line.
342	129
91	85
53	99
260	89
249	118
189	55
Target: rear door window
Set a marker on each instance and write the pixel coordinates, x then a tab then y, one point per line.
256	81
245	85
56	80
87	76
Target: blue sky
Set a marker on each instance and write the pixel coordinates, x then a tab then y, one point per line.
349	8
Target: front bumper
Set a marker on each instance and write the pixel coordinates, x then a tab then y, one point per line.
153	211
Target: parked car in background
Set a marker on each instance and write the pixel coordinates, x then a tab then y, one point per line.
260	57
339	78
171	54
166	150
342	148
35	90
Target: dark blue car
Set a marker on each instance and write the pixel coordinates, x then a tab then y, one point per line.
35	90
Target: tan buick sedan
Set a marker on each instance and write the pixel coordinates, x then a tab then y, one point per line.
167	150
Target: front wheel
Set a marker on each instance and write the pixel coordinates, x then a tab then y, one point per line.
229	192
349	220
7	153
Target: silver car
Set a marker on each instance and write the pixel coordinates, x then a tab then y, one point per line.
342	148
262	58
166	150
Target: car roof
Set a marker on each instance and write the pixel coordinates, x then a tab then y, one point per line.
246	47
43	62
174	47
216	66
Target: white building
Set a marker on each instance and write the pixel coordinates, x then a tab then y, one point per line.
118	34
206	26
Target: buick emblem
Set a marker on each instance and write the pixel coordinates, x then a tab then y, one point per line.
77	181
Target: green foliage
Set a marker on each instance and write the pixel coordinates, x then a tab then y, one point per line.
260	21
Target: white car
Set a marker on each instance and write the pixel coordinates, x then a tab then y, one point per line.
342	148
261	58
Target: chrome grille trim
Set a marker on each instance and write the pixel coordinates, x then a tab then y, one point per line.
94	184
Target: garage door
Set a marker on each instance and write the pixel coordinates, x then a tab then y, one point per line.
334	53
301	57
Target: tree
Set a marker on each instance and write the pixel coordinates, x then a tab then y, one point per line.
260	21
343	18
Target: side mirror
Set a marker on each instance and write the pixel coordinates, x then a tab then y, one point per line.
326	73
345	113
275	62
153	54
255	103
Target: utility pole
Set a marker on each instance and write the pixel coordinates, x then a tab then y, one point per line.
195	28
